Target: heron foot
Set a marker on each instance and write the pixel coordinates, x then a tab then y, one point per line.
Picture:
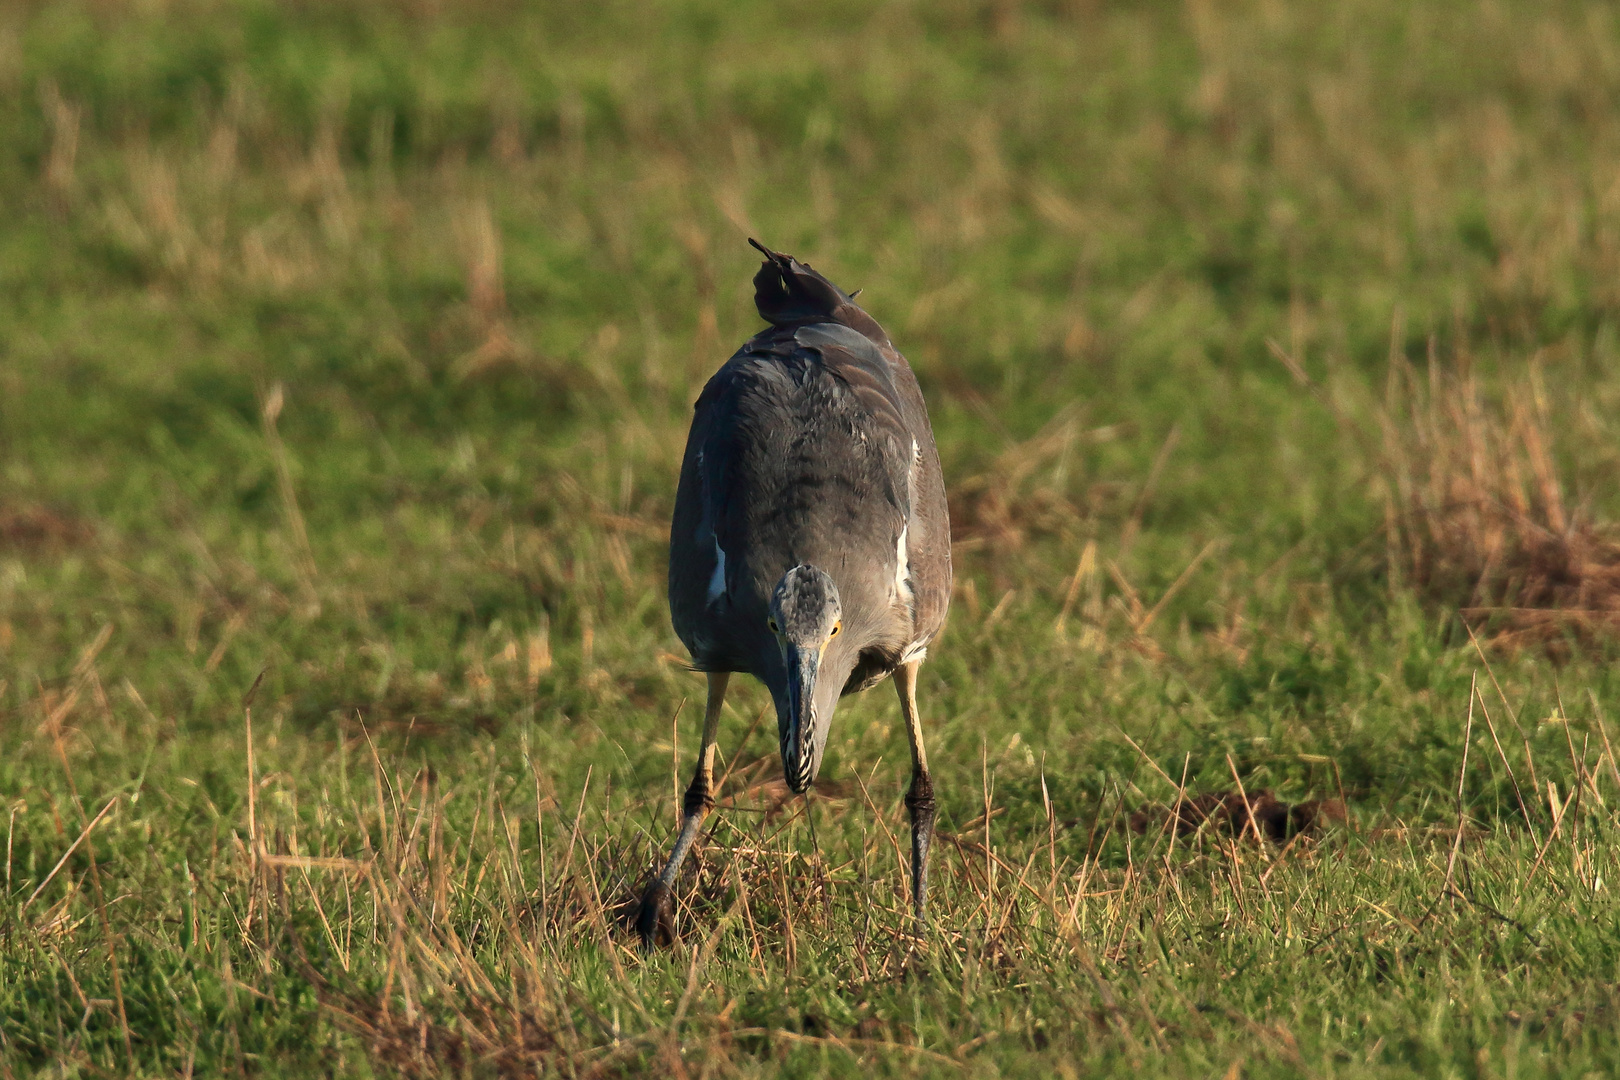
654	923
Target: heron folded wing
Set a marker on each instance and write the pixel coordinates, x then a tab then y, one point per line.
857	362
847	351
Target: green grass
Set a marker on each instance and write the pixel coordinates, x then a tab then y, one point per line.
483	257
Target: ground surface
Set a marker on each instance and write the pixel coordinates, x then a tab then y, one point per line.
354	344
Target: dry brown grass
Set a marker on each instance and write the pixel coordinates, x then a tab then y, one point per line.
1479	517
499	957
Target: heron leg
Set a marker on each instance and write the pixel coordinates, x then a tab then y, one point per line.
653	920
920	797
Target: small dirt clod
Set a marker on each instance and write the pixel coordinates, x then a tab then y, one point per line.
1231	812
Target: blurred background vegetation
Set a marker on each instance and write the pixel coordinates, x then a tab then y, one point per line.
355	343
491	251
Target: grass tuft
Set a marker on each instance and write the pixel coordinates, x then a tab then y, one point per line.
1479	515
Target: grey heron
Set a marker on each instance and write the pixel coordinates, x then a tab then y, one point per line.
810	545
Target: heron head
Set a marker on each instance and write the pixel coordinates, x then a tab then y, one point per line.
806	619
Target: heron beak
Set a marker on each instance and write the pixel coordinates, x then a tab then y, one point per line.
797	755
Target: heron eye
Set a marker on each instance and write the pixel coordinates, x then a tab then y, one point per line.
837	626
773	626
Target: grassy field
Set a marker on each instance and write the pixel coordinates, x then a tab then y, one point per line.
347	352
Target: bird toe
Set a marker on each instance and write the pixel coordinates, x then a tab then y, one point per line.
654	924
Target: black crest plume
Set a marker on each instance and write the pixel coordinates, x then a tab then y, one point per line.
787	291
